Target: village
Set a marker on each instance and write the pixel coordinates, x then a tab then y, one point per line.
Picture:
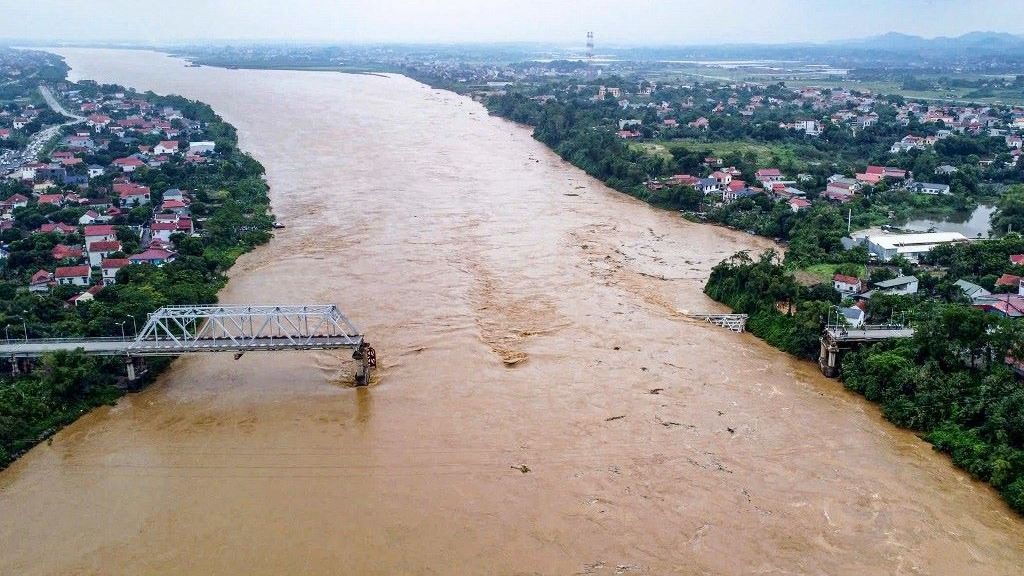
85	195
867	156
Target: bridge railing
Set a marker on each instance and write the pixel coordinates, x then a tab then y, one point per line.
12	341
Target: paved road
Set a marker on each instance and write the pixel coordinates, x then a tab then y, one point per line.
39	139
57	106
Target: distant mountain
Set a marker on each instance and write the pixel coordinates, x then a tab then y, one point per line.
985	42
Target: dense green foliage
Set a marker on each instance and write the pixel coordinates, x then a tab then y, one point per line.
949	382
782	312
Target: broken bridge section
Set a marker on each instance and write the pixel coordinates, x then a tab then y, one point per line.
837	340
734	322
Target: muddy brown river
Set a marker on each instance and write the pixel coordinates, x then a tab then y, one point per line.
525	315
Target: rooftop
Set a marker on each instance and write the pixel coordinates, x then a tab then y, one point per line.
892	241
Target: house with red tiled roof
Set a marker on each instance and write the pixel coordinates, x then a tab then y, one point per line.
185	225
17	201
86	296
72	275
163	225
724	178
842	186
154	256
1005	305
110	266
798	204
132	194
682	180
99	233
59	228
54	199
90	217
64	252
836	196
1009	280
101	249
166	147
40	281
128	164
174	206
1017	259
766	176
98	121
701	123
846	285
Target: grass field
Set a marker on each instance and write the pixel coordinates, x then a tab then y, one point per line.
826	271
798	79
957	95
766	153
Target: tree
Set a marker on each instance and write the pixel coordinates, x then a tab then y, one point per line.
1009	213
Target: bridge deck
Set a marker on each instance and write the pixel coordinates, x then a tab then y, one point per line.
118	347
867	334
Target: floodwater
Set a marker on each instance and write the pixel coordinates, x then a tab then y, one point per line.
525	315
974	224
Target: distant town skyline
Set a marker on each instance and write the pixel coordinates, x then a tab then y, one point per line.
662	22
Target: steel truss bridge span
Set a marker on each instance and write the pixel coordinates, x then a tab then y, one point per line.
176	330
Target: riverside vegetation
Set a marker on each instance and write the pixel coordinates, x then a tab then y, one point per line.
229	199
950	382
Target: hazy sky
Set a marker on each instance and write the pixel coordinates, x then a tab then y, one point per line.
562	21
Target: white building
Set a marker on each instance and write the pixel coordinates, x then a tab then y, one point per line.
201	147
910	246
901	285
846	285
930	188
73	275
98	251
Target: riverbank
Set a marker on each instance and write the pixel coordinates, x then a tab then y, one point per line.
224	190
620	408
949	382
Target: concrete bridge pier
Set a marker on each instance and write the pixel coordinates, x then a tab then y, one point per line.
20	366
135	367
367	357
828	358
